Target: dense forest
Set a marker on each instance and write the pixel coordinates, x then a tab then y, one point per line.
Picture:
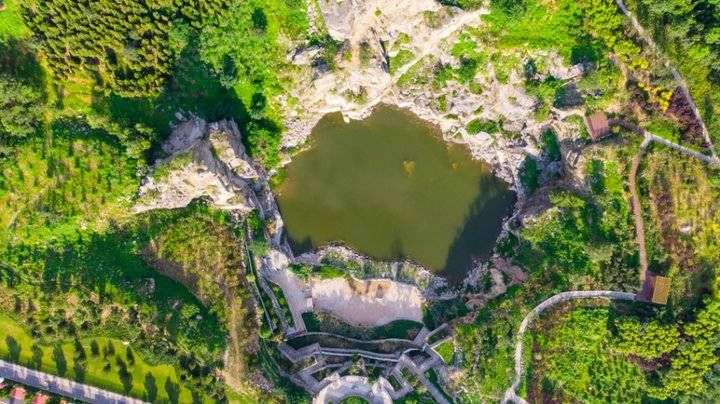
130	66
88	90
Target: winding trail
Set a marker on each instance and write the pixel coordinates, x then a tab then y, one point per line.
713	160
683	85
645	281
511	393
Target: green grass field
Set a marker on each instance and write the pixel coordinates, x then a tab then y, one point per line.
10	23
157	383
446	351
539	28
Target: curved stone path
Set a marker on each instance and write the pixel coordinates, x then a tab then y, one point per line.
61	386
511	392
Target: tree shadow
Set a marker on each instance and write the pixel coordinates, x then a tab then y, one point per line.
80	369
79	361
193	87
37	356
60	361
482	226
19	61
259	20
585	50
13	348
94	348
151	389
126	377
173	390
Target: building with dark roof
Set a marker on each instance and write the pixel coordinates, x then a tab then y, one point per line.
597	126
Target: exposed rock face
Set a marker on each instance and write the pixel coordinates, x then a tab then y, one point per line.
204	160
375	33
353	19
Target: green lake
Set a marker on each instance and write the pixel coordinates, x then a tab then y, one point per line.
390	188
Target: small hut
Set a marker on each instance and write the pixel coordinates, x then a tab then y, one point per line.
597	126
661	289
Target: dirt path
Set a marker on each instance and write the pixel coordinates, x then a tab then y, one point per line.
637	214
430	46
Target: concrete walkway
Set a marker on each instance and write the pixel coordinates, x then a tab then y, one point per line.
420	374
708	159
61	386
511	392
643	34
649	137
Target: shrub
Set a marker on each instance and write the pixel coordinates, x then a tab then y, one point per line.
550	145
467	70
401	59
22	108
478	125
365	54
442	103
529	176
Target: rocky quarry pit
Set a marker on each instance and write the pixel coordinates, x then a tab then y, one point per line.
209	159
424	32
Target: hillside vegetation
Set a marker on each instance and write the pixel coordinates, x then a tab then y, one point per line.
161	306
586	239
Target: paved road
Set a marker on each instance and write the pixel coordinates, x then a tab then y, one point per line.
359	352
62	386
511	392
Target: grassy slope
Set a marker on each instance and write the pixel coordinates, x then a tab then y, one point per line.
202	245
558	29
96	376
580	364
49	186
446	351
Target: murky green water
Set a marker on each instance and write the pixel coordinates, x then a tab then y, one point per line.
390	188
